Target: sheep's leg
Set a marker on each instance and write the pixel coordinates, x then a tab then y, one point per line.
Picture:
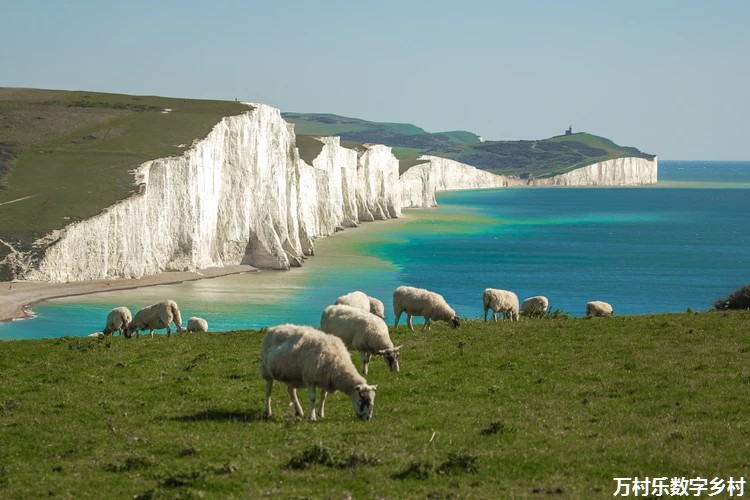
485	313
427	323
298	412
311	389
169	331
365	360
408	321
269	388
398	317
152	333
323	396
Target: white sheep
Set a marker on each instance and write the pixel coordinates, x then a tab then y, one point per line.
156	316
534	305
303	356
599	308
117	320
195	324
500	301
361	331
364	302
419	302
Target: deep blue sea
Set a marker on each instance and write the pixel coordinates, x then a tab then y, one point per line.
680	244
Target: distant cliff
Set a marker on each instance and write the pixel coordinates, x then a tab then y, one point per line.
243	195
617	172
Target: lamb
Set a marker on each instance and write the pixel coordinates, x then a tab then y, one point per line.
197	325
362	331
500	301
364	302
534	306
155	316
420	302
117	320
303	356
599	308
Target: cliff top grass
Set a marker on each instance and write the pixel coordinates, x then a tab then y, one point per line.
529	409
538	158
67	155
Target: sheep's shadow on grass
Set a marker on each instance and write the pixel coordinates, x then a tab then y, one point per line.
219	415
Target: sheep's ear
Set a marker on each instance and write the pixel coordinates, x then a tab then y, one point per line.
397	348
374	387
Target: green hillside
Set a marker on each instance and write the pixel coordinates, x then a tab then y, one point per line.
65	156
408	141
539	408
540	158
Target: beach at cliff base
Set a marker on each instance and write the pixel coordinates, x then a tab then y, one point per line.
18	296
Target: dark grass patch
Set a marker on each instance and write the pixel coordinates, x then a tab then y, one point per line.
495	427
130	464
224	416
456	463
189	478
319	455
417	470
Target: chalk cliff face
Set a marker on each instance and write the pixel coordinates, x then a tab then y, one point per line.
617	172
420	182
243	195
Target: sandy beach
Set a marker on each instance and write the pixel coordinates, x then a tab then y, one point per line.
17	296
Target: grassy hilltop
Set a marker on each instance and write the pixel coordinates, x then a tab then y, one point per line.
504	410
65	156
540	158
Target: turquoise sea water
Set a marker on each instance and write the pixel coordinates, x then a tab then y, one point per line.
682	243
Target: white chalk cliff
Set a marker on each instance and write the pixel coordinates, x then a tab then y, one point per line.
629	171
243	195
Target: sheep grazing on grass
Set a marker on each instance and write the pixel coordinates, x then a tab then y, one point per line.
599	308
534	306
419	302
197	325
303	356
364	302
361	331
500	301
154	317
117	320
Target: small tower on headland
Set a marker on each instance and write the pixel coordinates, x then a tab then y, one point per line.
569	131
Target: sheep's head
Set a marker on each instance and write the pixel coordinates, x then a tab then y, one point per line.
391	357
455	322
129	330
363	400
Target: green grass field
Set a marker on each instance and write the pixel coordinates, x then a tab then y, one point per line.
65	156
538	408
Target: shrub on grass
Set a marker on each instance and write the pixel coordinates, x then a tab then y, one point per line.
739	299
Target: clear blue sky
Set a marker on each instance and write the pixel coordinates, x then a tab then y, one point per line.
669	77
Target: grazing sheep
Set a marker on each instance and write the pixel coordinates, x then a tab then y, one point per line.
303	356
364	302
197	325
156	316
117	320
420	302
599	308
534	305
500	301
362	331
